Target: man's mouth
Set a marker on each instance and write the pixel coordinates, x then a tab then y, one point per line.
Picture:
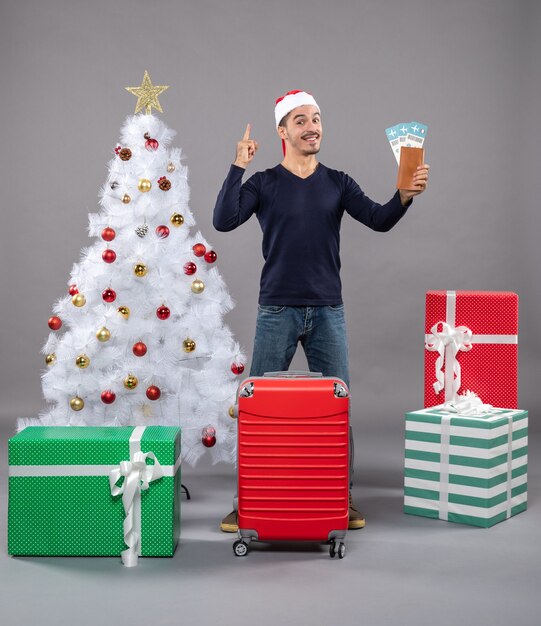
311	138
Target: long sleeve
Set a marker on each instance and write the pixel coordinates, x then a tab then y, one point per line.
379	217
236	202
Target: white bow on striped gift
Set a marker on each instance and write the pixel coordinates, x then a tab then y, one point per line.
467	404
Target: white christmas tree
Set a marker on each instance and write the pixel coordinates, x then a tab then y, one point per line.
140	339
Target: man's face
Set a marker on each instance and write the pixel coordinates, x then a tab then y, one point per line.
303	131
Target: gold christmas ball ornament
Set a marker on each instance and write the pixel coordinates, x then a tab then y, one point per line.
170	167
188	345
82	361
232	411
76	404
78	300
177	219
144	185
140	269
130	382
198	286
126	199
124	311
50	359
103	334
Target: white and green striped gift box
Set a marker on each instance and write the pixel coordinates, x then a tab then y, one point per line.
471	470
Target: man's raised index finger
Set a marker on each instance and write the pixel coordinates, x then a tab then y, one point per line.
247	132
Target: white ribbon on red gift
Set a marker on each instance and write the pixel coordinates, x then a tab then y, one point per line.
137	477
448	341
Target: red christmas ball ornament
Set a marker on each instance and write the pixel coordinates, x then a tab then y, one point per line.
108	234
139	349
73	291
208	436
150	143
210	256
163	312
153	392
199	249
162	231
108	397
109	295
237	368
109	256
55	323
190	268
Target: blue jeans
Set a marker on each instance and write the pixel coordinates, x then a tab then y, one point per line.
321	331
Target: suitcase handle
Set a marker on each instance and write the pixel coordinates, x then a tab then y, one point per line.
294	374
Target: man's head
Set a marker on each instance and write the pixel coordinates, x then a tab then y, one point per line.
298	122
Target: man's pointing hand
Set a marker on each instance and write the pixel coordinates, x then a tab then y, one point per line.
246	149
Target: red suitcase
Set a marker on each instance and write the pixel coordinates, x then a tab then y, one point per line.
293	460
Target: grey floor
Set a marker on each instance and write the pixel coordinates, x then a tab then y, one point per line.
399	570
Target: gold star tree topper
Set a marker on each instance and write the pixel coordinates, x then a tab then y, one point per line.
147	95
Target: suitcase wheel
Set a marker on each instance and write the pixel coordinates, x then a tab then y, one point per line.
337	548
240	548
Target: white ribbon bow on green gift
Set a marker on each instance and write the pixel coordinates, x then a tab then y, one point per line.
137	477
467	404
448	342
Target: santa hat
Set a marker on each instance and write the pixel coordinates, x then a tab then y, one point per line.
292	100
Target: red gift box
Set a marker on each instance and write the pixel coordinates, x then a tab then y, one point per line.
471	344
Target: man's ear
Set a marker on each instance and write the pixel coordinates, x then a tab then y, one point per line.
282	132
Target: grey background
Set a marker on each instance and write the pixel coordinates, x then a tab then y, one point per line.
468	69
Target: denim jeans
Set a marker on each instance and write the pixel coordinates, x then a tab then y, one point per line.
321	330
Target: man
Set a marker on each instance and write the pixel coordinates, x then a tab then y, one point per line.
299	204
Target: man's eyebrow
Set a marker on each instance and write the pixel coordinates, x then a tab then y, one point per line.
316	114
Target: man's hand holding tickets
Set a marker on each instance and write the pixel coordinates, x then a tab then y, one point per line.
420	183
407	141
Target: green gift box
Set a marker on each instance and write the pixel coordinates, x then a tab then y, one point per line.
94	491
466	469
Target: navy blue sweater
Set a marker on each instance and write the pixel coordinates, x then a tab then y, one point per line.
300	219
